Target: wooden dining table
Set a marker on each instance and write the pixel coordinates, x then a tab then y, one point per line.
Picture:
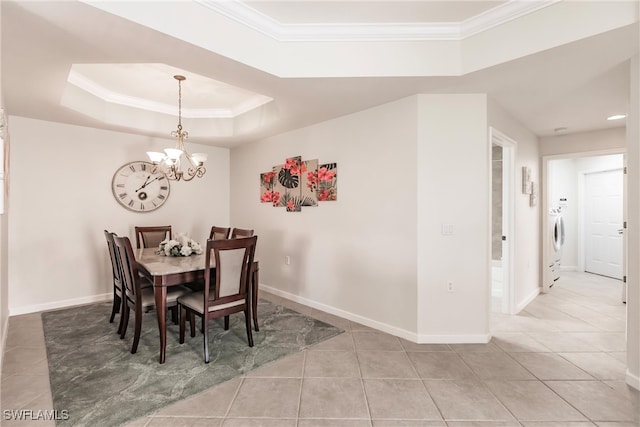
164	271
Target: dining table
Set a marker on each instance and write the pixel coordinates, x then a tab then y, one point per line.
164	271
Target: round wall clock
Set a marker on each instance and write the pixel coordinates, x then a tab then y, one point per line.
138	187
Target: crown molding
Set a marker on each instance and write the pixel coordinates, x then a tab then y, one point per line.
252	18
502	14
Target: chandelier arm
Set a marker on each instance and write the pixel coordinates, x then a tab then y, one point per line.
193	173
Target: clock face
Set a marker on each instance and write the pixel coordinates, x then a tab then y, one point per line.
138	187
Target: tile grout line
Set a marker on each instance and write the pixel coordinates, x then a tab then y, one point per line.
304	366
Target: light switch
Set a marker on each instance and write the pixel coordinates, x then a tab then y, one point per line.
447	229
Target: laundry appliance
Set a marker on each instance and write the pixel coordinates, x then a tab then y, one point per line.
556	240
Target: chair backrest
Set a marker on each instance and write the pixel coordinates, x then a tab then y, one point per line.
218	233
233	261
241	232
128	267
115	267
150	237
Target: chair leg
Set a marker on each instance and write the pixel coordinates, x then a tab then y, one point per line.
124	321
116	306
254	298
192	324
183	314
136	335
206	338
226	323
121	323
247	321
174	315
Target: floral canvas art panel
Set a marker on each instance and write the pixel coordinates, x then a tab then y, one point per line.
327	181
286	190
309	183
298	183
267	181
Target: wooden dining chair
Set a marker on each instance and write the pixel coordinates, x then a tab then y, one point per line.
150	237
117	280
135	296
218	233
241	232
233	260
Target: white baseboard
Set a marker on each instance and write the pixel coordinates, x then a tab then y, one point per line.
454	339
633	380
393	330
522	304
14	311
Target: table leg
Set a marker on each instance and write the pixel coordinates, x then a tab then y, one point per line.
254	296
160	294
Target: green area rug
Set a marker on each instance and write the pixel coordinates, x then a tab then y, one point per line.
96	379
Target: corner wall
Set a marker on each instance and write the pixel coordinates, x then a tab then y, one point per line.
355	257
453	219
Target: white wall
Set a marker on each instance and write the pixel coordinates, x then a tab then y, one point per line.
355	257
584	142
4	283
453	188
633	232
527	257
61	201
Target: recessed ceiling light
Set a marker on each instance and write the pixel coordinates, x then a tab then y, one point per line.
560	129
617	117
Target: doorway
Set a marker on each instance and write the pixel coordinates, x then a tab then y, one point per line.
588	190
502	221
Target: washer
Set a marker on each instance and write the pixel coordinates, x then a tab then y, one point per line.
556	239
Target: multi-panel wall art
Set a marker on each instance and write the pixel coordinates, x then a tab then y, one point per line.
298	183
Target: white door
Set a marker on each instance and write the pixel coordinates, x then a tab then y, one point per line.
603	223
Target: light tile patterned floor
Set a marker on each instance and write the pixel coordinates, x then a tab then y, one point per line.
559	363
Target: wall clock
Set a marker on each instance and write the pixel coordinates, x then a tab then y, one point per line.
139	187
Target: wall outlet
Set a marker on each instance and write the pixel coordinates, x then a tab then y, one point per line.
449	286
287	260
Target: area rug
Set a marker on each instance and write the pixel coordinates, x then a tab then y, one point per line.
96	381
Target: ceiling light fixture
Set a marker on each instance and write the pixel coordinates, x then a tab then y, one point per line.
169	161
617	117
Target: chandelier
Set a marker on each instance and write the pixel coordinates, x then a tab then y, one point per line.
169	162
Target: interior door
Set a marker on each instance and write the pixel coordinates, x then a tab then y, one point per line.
603	223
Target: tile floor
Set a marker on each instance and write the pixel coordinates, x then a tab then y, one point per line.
560	362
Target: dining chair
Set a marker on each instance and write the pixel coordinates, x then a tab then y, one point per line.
135	296
241	232
117	280
218	233
233	260
150	237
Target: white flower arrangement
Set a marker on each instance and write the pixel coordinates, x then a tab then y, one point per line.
181	246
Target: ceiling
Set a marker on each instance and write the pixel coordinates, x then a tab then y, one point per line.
573	86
